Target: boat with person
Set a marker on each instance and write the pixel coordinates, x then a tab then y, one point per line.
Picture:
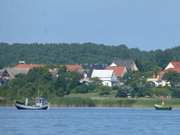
40	104
162	106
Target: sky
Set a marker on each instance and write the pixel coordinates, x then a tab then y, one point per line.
144	24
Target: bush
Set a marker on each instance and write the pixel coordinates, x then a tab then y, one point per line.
81	89
176	92
104	90
124	91
160	91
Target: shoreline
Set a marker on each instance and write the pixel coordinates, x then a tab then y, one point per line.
97	107
79	102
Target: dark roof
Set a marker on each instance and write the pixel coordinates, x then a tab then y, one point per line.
126	63
94	66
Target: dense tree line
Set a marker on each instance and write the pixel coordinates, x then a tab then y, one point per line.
40	82
84	53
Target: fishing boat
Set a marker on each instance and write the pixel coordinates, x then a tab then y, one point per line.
40	104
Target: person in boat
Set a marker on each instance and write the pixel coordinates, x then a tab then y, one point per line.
162	103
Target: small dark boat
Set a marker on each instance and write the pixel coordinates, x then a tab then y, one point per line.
40	104
162	107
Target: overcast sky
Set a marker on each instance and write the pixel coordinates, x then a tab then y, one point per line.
146	24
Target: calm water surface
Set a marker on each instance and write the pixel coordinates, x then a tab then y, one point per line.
89	121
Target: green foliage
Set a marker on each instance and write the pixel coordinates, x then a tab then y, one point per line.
174	78
124	91
73	101
136	82
66	81
84	53
81	89
165	91
104	90
39	82
176	92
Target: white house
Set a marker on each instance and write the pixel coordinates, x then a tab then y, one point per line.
158	83
107	77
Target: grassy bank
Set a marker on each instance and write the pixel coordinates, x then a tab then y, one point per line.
110	102
92	100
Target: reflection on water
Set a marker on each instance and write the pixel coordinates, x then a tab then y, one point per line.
89	121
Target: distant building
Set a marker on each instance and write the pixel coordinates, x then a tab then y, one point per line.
173	66
158	83
129	64
27	66
10	72
119	71
74	68
107	77
22	62
158	80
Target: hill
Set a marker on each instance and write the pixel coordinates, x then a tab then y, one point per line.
63	53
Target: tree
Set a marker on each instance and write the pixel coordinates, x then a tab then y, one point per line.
124	91
173	78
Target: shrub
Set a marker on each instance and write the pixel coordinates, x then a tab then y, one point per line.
124	91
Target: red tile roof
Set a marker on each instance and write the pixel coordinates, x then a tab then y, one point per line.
28	66
118	70
176	65
74	68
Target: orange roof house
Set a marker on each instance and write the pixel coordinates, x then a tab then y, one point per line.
119	71
28	66
74	68
173	66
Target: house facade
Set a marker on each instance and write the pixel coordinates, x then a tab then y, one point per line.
107	77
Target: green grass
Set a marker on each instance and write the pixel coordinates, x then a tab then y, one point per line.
72	102
94	100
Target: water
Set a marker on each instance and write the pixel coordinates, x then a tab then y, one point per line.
89	121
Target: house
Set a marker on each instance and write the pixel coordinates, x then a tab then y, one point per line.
10	72
107	77
3	77
158	81
7	74
173	66
129	64
27	66
74	68
85	78
54	72
119	71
